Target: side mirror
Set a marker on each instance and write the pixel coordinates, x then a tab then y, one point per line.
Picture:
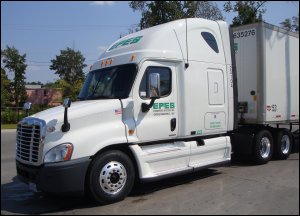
27	107
154	85
153	89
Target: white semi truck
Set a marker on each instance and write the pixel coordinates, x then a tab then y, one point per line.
167	100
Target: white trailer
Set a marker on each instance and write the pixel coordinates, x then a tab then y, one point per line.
170	99
267	68
267	65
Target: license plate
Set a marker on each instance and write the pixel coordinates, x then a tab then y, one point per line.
32	187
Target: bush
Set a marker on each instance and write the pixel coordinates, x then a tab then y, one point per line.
38	108
9	116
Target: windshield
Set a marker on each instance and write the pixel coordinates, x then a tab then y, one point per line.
108	83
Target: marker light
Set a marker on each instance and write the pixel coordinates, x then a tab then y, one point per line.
132	58
50	129
102	63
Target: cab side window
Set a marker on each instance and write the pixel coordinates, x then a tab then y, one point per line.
210	40
165	81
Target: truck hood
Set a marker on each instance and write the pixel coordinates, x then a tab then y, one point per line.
94	124
79	109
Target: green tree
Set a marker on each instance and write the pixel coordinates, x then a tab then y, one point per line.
69	90
296	23
287	24
50	85
15	63
35	83
208	10
158	12
291	24
5	89
248	11
69	65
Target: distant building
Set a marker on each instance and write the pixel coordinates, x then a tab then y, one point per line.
44	96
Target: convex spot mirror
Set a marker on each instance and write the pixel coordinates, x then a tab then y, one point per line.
27	106
67	102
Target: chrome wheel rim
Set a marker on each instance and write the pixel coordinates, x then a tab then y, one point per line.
265	147
285	144
113	177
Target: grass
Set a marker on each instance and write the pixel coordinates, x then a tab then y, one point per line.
8	126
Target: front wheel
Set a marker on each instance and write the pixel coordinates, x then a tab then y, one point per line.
263	147
111	177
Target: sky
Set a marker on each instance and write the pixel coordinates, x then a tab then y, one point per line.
42	28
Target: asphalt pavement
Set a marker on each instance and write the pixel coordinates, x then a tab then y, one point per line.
241	188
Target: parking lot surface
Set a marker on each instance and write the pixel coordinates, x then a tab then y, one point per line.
240	188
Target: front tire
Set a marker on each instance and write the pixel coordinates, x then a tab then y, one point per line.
111	177
263	147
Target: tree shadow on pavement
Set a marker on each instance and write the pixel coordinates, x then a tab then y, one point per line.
17	198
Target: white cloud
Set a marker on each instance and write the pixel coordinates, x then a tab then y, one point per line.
103	3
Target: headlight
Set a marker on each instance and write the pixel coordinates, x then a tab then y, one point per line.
59	153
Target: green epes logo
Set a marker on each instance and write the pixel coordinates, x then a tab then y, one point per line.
164	105
126	42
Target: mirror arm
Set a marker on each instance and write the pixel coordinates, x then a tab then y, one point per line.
66	126
146	107
27	112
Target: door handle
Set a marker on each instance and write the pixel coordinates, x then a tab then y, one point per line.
173	124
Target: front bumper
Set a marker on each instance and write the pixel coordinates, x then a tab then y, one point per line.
58	178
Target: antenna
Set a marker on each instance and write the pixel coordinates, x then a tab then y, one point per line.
186	42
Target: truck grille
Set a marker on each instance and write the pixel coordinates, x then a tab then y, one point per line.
29	141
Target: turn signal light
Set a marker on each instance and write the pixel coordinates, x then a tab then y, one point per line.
132	58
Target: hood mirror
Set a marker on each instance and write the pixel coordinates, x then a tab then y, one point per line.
27	107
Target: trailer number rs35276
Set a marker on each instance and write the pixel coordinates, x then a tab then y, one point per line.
246	33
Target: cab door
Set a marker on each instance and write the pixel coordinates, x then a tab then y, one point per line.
161	121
